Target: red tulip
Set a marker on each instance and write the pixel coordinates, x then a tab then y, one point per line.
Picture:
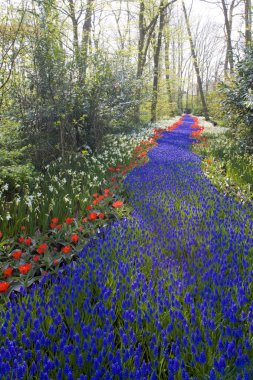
17	254
117	204
8	271
69	220
41	248
24	269
66	249
4	286
74	238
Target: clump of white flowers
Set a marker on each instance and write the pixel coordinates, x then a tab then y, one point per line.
64	185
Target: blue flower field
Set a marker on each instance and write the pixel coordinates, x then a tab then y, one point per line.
165	294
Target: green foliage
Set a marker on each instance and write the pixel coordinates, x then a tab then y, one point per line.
228	166
214	100
109	98
238	102
15	166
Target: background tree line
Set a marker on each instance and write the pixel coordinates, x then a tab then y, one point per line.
73	71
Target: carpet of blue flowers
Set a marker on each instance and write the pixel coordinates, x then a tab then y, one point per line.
165	294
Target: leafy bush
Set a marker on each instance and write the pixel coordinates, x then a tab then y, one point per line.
238	102
15	166
226	164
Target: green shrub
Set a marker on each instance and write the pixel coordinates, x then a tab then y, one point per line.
238	102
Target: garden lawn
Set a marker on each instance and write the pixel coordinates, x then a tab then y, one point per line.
165	294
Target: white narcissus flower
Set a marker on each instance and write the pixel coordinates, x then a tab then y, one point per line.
29	202
5	186
17	200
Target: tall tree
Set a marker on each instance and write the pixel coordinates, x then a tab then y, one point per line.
86	33
167	60
156	64
228	27
248	22
145	35
195	63
13	28
228	8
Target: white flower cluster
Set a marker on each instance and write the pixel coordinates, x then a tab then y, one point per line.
210	129
68	183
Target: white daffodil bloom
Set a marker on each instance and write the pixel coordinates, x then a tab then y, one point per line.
5	187
17	200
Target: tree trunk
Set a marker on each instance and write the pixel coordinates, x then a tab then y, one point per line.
140	60
75	32
230	56
156	65
145	35
86	38
195	63
248	21
167	63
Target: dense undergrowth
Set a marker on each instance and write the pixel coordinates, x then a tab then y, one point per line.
226	163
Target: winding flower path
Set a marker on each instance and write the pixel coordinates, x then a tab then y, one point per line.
166	294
